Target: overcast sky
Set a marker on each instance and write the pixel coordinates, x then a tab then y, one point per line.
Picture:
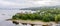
27	3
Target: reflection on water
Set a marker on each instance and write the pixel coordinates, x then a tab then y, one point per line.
7	14
6	23
9	23
14	22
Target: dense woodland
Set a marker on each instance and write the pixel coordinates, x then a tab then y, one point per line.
44	14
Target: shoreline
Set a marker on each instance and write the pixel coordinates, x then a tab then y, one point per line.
31	22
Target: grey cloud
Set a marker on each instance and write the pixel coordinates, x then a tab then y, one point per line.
28	3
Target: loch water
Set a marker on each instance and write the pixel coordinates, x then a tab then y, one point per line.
7	14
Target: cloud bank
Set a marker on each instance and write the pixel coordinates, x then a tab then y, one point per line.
27	3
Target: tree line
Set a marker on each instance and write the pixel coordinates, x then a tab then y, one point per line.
45	15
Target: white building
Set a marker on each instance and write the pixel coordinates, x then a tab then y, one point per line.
27	11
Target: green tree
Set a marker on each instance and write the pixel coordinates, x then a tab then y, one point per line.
46	18
57	18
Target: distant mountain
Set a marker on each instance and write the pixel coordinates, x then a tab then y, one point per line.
32	8
10	8
38	8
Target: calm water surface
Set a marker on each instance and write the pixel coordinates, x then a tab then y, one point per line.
7	14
